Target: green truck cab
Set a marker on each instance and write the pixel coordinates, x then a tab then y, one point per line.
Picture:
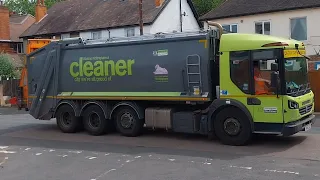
287	106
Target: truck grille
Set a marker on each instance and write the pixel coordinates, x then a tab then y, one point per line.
306	109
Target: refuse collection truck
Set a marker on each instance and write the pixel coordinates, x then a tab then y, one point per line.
224	85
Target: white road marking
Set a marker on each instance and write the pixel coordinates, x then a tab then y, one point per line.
207	163
104	174
27	149
4	147
76	152
107	154
137	157
7	152
38	154
51	150
63	155
91	157
4	161
290	172
241	167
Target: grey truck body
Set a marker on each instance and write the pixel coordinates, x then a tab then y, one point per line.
55	69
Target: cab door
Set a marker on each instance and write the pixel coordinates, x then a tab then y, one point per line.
267	103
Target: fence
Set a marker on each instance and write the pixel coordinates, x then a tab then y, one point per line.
314	77
10	87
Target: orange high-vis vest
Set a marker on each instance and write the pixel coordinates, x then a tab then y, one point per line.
260	86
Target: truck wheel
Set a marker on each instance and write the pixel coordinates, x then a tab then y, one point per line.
66	119
94	120
127	122
232	127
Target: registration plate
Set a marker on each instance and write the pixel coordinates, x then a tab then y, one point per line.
307	127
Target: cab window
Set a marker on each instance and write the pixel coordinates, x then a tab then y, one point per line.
262	60
239	69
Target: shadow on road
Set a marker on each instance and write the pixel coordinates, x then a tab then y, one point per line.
48	136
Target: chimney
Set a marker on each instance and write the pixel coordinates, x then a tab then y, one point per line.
41	10
4	23
159	3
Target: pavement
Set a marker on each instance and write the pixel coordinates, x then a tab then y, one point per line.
37	150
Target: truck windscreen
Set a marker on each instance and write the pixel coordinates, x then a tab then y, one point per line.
296	76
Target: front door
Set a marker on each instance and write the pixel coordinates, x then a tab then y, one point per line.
266	102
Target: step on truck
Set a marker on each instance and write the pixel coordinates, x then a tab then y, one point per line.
218	84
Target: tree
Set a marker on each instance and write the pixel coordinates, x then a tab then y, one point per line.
6	67
26	6
204	6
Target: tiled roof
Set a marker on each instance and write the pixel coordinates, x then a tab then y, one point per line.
233	8
17	18
82	15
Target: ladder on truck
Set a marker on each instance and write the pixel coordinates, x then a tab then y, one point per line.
193	65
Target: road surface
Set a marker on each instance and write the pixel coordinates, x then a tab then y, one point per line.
37	150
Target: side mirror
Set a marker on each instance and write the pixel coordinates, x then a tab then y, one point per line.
275	80
274	67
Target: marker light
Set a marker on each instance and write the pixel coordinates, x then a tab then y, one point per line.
276	44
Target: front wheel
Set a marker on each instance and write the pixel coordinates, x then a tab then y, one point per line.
127	122
232	127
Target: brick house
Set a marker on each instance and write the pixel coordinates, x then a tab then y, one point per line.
11	27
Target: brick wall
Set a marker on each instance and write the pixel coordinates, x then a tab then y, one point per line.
4	23
313	59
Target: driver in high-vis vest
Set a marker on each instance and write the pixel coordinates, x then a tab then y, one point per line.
261	85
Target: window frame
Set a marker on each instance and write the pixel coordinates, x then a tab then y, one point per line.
230	26
126	30
263	22
99	35
290	26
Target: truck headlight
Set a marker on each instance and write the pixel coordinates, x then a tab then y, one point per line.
293	105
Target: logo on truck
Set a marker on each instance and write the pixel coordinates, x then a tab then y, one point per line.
99	69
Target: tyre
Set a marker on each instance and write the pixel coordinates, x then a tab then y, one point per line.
232	127
94	120
66	119
127	122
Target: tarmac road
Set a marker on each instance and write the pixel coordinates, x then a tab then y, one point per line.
36	150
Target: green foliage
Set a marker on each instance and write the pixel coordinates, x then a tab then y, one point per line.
6	67
204	6
27	6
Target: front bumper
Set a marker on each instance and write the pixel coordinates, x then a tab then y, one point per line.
297	126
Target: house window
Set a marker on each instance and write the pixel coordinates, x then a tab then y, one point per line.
17	47
233	28
263	27
65	36
96	35
129	32
298	28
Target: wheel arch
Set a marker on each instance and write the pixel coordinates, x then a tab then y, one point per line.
74	105
221	104
138	109
102	105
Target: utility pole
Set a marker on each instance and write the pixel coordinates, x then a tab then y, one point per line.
140	17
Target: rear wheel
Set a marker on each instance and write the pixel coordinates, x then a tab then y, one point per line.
94	121
232	127
127	122
66	119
